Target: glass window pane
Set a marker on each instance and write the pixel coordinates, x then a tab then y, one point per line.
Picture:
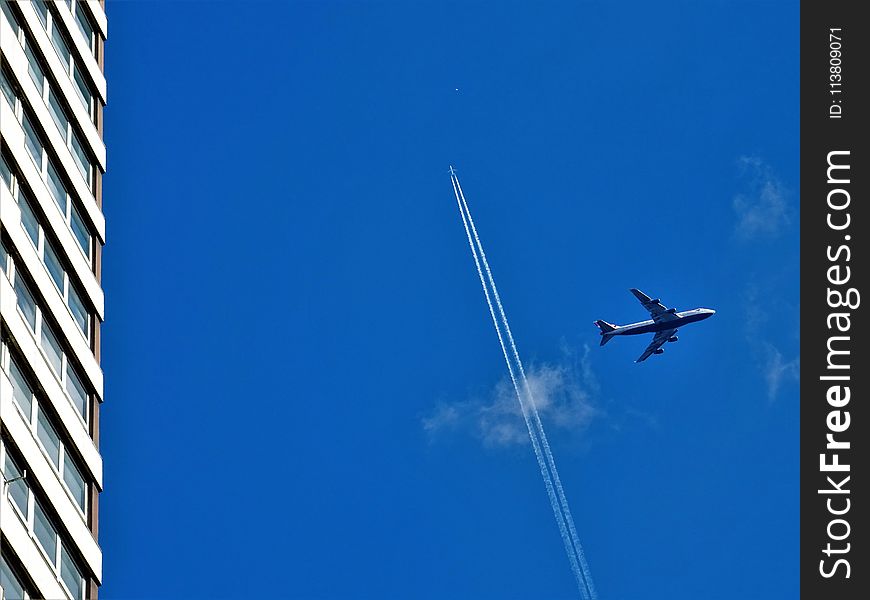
52	349
80	230
45	532
42	10
17	489
74	481
4	258
6	85
21	390
4	6
57	113
12	587
56	187
85	26
28	220
81	158
52	263
31	140
34	69
76	391
60	45
25	303
49	438
78	310
5	172
70	574
83	90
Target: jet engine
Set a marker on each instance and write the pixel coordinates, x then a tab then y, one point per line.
673	339
672	311
658	351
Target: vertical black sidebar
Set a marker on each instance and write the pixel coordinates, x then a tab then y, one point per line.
835	371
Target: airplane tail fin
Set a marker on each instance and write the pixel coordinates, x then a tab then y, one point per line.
607	330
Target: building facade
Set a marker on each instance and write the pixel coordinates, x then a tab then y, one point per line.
52	159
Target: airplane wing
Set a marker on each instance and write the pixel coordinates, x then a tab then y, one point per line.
657	342
659	312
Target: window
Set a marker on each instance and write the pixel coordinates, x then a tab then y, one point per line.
49	438
78	310
37	521
84	23
21	391
58	114
52	264
26	303
41	10
34	68
7	12
60	46
56	187
18	489
70	574
76	391
52	349
45	532
58	111
31	140
81	158
45	248
28	220
81	232
6	172
67	373
9	583
4	258
83	90
75	482
6	87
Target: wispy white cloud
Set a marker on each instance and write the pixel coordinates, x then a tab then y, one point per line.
777	369
563	394
762	210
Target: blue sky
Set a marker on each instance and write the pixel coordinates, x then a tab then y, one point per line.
292	308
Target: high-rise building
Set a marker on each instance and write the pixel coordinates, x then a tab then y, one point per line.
52	160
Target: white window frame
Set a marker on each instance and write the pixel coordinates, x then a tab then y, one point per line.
76	8
29	522
32	422
70	61
47	90
39	246
62	377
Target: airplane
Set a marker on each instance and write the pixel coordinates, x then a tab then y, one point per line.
664	323
452	170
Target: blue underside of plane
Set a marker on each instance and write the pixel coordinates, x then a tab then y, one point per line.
654	327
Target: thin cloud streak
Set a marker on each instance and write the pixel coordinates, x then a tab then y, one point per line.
778	370
763	210
775	368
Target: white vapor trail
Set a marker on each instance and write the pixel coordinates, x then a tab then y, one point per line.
569	520
541	447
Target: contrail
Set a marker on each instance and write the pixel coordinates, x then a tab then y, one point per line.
559	505
563	501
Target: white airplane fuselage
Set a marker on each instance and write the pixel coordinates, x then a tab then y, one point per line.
682	318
